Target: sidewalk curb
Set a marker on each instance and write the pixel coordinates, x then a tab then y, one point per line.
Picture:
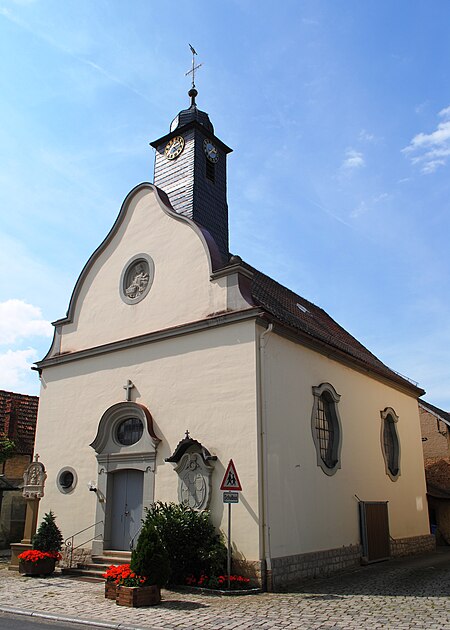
80	622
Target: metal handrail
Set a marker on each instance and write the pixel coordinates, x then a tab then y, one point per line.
134	537
69	541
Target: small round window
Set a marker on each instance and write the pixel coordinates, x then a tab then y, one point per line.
130	431
66	480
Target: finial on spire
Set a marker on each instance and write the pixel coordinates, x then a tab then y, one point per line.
193	92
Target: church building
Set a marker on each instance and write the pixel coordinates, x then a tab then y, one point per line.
176	356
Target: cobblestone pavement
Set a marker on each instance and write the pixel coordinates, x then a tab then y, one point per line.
400	594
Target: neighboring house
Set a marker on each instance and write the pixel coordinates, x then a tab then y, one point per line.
18	414
176	356
435	424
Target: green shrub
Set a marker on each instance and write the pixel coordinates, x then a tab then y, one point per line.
7	448
48	536
192	543
150	559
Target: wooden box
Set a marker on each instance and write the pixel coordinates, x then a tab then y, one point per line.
138	596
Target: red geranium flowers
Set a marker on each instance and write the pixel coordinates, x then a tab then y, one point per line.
122	575
34	555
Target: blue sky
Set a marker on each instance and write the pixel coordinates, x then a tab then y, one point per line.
339	116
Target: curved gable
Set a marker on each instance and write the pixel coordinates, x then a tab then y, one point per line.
183	254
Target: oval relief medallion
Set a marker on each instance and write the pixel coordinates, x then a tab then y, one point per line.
137	278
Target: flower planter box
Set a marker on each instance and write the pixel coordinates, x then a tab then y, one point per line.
135	596
45	566
110	590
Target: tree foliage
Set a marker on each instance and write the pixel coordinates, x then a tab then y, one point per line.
48	536
7	448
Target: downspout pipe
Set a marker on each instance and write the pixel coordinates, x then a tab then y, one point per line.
267	584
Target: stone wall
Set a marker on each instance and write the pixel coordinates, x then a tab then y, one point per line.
14	467
435	435
290	570
12	518
80	556
412	546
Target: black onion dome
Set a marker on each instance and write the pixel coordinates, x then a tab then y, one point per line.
187	116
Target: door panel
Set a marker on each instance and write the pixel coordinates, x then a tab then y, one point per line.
126	510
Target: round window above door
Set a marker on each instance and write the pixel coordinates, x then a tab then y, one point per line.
129	431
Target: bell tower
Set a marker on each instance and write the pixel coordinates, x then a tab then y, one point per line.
191	168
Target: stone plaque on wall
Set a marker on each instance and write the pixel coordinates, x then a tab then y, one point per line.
194	481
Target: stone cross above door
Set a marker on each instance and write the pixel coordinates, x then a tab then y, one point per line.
128	387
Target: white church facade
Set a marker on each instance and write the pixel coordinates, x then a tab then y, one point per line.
175	356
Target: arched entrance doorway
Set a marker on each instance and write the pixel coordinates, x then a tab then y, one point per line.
125	445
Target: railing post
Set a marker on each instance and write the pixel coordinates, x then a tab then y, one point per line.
69	542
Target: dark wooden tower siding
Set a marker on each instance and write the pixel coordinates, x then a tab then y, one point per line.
196	187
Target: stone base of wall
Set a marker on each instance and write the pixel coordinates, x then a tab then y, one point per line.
79	556
290	570
412	546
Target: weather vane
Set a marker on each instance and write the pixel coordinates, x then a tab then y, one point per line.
194	67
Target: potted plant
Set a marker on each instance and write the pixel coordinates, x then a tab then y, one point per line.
148	571
112	577
47	543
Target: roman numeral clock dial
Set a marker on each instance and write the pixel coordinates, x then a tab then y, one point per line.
174	147
210	151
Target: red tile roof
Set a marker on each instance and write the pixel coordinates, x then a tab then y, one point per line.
306	318
443	415
18	416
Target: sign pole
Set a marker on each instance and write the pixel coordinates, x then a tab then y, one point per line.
231	486
229	546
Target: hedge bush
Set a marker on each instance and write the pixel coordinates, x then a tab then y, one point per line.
190	539
150	558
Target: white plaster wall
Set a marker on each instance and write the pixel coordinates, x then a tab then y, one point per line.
181	291
203	382
309	510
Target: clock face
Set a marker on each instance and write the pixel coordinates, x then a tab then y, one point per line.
174	147
210	150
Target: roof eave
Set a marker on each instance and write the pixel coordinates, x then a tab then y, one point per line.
330	351
193	123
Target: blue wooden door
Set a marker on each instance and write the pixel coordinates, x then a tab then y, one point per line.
126	511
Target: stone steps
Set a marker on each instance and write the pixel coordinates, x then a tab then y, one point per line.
94	570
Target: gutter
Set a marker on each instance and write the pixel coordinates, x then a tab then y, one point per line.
264	498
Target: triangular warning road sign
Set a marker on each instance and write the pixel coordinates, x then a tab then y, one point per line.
230	479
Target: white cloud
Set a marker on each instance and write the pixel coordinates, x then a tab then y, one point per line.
15	367
65	48
359	210
353	160
365	136
19	320
431	150
421	107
